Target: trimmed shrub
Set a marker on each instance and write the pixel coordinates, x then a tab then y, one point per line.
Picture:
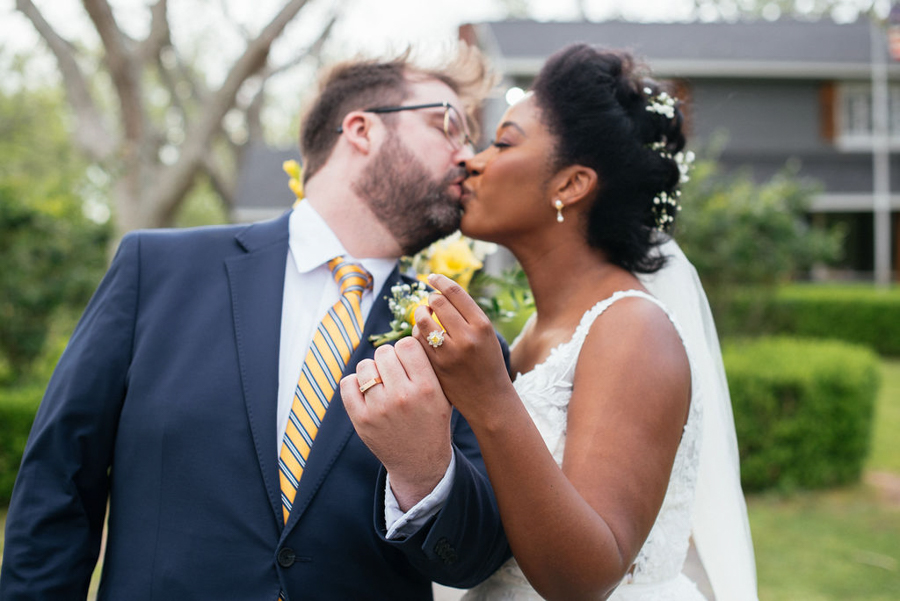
860	314
18	407
803	410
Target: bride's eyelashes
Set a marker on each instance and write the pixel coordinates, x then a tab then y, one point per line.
498	144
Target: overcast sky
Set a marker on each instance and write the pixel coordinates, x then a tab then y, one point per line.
201	27
364	24
371	26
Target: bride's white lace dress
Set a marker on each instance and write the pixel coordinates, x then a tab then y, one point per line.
657	571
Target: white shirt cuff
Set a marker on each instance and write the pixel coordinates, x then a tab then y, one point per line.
399	525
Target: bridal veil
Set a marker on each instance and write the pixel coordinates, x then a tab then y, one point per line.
720	529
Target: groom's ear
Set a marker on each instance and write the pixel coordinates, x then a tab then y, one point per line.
576	183
357	128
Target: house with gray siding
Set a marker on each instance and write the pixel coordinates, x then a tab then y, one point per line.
772	92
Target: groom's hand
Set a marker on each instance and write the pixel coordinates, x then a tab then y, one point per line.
405	420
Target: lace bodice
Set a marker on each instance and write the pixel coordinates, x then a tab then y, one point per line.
656	574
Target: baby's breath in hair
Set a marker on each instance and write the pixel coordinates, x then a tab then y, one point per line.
665	204
661	103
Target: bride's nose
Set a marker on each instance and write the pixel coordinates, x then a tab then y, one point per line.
475	165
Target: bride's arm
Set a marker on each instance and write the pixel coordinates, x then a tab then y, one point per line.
574	531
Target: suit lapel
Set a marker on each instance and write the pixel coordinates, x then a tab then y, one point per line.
256	281
336	428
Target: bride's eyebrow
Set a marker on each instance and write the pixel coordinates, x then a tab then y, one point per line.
514	125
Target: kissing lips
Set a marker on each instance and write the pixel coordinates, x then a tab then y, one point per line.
466	196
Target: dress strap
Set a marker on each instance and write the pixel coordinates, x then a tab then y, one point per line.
594	312
587	320
565	356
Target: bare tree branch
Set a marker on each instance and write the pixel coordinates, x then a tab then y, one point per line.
91	133
158	37
222	181
254	115
198	90
122	67
179	177
314	50
226	11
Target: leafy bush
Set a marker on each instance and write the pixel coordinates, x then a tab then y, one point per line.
803	410
53	255
861	314
18	406
738	232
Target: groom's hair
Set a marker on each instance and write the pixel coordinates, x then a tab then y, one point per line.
364	83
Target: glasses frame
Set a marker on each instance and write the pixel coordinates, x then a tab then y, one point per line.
466	140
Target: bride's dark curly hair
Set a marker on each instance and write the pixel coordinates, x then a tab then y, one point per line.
594	102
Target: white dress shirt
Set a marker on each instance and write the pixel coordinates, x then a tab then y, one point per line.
309	292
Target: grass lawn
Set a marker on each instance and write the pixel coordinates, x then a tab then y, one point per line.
824	546
885	454
831	545
836	544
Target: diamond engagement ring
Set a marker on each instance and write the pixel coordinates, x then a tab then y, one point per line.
369	384
435	338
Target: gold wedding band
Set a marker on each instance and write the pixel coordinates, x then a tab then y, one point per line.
369	384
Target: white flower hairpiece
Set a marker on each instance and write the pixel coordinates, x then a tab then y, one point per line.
665	205
662	103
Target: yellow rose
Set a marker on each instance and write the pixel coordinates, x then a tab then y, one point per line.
292	168
296	187
456	261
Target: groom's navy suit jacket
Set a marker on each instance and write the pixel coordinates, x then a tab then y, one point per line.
164	405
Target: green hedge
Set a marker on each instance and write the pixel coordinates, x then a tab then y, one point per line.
803	410
861	314
17	409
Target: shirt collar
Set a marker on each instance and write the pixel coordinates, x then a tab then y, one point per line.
312	244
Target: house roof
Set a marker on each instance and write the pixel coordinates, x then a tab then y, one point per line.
262	190
784	48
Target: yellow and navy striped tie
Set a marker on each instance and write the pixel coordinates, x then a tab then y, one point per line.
335	339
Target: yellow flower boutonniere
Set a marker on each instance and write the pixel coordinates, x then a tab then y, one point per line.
295	172
456	257
403	302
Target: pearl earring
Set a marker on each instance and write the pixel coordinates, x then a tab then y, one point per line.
559	207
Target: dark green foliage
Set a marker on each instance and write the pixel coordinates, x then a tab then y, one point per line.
17	409
506	299
862	314
803	410
52	255
49	260
740	233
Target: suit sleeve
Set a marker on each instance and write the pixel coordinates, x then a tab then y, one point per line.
58	505
464	543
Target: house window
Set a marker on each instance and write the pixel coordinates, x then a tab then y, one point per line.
855	116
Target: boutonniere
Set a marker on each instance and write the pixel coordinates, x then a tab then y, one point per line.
457	257
295	173
403	302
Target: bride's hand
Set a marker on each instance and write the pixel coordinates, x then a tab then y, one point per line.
469	362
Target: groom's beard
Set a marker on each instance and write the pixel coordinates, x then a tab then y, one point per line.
415	208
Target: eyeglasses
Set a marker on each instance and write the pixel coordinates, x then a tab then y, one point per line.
454	124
